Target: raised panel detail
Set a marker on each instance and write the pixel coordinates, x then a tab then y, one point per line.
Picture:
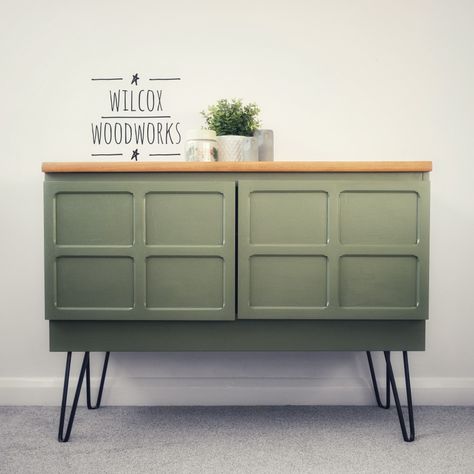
378	281
99	218
288	217
94	282
288	281
184	282
184	218
378	217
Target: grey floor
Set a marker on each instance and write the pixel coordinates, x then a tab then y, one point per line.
237	440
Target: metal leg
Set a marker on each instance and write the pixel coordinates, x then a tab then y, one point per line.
406	437
376	388
101	386
63	438
85	371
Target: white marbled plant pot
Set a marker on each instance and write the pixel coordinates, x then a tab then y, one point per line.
237	148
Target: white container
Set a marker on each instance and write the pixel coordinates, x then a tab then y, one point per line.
265	144
201	145
237	148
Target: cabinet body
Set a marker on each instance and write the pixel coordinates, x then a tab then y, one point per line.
236	261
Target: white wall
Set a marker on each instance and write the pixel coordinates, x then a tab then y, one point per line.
339	80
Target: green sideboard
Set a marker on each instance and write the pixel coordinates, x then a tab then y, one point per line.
236	256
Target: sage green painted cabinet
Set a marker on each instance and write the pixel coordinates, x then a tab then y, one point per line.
236	261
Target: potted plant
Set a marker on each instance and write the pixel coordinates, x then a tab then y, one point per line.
235	125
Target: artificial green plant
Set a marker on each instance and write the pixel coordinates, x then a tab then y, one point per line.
232	117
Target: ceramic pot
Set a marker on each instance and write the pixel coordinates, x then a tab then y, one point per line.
237	148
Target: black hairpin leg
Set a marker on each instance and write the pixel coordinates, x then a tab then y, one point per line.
401	418
63	438
85	371
391	383
376	387
101	386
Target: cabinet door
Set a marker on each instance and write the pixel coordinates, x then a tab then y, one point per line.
333	250
140	250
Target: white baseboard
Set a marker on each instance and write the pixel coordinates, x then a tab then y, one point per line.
236	391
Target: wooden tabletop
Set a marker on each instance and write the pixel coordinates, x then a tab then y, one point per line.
239	167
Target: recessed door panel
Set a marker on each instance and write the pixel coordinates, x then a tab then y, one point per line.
184	218
185	283
288	217
379	217
100	218
291	281
369	281
94	282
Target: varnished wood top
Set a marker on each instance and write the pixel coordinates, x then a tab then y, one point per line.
239	167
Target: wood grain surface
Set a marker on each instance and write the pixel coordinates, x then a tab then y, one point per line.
240	167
